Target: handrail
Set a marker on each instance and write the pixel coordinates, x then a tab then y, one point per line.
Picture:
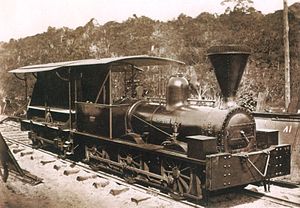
245	156
102	105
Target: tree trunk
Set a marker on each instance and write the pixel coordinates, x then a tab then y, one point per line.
286	55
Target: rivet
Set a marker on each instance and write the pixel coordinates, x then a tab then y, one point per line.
280	165
276	165
225	158
225	175
224	166
229	157
229	174
224	184
228	183
229	166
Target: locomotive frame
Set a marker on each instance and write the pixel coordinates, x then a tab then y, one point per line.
89	124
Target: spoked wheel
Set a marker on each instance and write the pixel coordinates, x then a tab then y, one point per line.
4	171
129	161
95	156
178	177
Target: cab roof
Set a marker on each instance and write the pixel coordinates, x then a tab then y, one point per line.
140	60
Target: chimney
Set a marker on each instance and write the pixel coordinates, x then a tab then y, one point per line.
229	62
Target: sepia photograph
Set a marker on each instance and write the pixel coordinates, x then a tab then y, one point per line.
153	104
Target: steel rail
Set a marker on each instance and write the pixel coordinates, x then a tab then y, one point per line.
277	200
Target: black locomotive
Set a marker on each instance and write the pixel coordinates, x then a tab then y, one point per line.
185	147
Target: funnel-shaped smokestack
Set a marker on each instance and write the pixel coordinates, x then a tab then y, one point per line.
229	63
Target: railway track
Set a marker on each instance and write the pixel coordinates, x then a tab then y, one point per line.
276	200
10	130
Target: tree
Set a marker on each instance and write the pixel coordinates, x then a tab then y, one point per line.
243	6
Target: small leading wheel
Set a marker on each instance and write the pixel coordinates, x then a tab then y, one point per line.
37	144
178	177
4	170
129	162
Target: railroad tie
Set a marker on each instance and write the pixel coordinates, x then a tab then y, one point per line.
57	167
139	199
26	153
83	178
101	184
70	172
46	162
116	192
15	151
35	157
72	165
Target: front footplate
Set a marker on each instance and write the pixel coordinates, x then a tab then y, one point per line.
227	170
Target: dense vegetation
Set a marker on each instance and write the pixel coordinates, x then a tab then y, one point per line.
184	38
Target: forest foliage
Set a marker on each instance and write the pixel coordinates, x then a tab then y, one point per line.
184	38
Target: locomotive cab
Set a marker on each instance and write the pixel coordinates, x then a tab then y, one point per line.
91	96
103	114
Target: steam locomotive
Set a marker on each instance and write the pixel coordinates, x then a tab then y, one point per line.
183	147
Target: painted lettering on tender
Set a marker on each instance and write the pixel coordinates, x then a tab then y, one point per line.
287	129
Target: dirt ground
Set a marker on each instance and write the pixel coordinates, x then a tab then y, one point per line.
59	190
